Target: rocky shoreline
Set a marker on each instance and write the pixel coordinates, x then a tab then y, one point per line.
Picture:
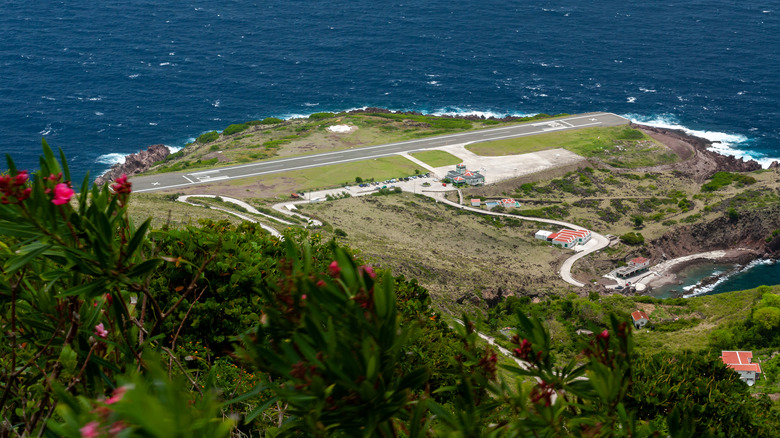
135	163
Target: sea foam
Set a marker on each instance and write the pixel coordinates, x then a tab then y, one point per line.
697	289
722	142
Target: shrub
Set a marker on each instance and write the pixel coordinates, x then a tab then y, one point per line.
320	116
339	232
235	129
208	137
633	239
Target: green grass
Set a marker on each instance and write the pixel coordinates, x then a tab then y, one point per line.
619	146
336	175
717	310
437	158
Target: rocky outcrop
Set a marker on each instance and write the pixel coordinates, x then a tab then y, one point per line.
135	163
750	231
705	162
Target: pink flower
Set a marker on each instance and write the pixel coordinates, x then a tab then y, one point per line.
121	185
321	283
90	430
334	269
62	194
116	428
118	394
368	270
101	331
604	335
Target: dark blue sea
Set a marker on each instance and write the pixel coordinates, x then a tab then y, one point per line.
104	79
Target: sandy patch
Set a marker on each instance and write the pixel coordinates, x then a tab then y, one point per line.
342	129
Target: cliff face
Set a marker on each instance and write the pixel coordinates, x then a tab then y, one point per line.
749	231
135	163
704	163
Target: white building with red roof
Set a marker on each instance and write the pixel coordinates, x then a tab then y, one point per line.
569	238
640	319
742	363
476	202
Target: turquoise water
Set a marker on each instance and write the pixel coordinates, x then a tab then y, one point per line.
758	273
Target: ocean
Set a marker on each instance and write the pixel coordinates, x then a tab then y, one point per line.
101	80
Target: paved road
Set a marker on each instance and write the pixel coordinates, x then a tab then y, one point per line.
178	180
597	241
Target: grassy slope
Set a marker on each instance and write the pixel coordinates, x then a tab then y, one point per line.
618	146
437	158
450	252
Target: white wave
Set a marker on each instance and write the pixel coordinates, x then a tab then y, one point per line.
165	63
646	90
133	76
47	130
434	83
710	287
152	123
174	149
215	104
460	112
631	99
310	104
722	142
111	159
48	98
98	113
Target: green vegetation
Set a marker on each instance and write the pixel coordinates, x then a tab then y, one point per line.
723	179
633	239
617	146
115	329
436	158
208	137
321	116
337	174
235	128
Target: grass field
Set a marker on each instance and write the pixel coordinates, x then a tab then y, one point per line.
436	158
163	209
716	310
618	146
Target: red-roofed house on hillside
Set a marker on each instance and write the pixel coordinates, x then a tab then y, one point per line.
569	238
476	202
640	319
742	363
636	266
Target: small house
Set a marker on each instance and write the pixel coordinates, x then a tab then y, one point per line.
635	266
476	202
640	319
542	235
742	363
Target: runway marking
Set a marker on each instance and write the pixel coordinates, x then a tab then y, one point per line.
210	179
195	174
388	149
156	183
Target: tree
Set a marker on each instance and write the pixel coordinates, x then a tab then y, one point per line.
767	317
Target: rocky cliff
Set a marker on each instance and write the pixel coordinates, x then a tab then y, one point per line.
135	163
750	231
704	162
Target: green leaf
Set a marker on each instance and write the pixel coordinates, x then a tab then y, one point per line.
137	238
68	358
28	253
144	268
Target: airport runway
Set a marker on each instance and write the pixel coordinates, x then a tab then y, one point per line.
181	179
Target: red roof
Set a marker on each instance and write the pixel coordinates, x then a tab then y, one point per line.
639	315
459	178
468	173
737	357
476	200
747	367
639	260
508	201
